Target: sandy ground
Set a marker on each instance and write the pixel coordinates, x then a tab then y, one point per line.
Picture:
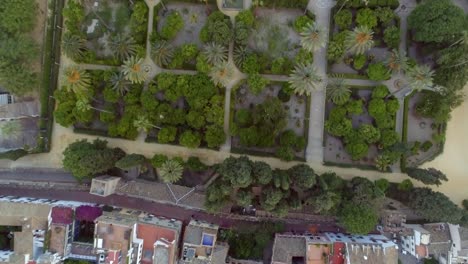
454	161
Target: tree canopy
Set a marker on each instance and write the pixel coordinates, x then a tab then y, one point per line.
434	206
429	176
358	219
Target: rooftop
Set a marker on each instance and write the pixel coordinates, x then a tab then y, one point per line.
62	215
57	239
286	247
440	238
158	240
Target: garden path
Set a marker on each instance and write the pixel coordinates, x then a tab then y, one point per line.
314	151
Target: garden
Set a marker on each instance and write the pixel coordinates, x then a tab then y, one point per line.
361	38
360	126
270	122
175	109
105	32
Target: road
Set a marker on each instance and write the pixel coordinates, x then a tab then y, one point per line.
167	211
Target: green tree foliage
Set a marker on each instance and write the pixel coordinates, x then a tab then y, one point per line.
190	139
17	78
130	161
281	179
256	83
354	107
437	21
358	219
13	154
329	181
158	160
385	15
382	185
301	22
389	137
304	79
162	53
174	23
325	202
195	164
244	198
247	17
238	171
215	136
262	172
369	133
357	150
217	29
392	37
122	46
338	92
270	198
167	134
380	91
359	61
343	19
139	21
84	159
429	176
17	15
303	176
359	40
405	185
171	171
366	17
434	206
337	123
378	72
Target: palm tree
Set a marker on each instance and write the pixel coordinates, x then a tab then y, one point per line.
382	162
337	91
84	105
222	74
420	78
397	62
171	171
304	79
133	71
73	46
162	52
76	80
313	37
215	53
360	40
143	123
240	54
122	46
118	82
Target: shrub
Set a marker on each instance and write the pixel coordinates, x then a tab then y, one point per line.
378	72
301	22
380	91
251	65
385	15
13	154
256	83
243	117
389	137
415	148
194	164
246	17
285	153
158	160
392	106
167	134
359	61
303	56
281	65
283	95
215	136
357	150
426	145
173	25
392	36
343	19
366	17
190	139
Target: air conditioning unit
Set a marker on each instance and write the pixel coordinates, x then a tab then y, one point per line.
102	258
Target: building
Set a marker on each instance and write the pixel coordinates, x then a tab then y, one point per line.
104	185
200	245
131	236
333	248
61	230
393	221
415	241
311	249
460	241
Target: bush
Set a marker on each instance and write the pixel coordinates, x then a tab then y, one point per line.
415	148
173	25
426	145
301	22
378	72
343	19
392	36
158	160
303	56
285	153
281	65
359	61
357	150
380	91
167	135
283	95
246	17
190	139
256	83
392	106
251	65
194	164
366	17
13	154
389	137
385	15
243	117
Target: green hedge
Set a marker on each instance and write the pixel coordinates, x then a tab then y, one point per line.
344	165
13	154
92	132
302	4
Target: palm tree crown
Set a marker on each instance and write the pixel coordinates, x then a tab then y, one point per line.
338	92
313	37
304	79
118	82
76	80
171	171
420	78
162	52
222	74
360	40
397	62
73	46
83	105
133	71
122	46
215	53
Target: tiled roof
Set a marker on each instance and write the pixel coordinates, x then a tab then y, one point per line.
440	239
285	247
62	215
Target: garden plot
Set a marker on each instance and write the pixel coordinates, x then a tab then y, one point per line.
274	35
420	135
361	128
364	59
193	17
284	136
